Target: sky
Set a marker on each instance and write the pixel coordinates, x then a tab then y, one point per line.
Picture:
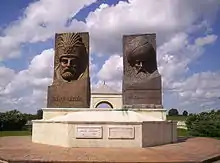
188	51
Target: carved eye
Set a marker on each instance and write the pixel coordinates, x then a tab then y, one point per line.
65	61
72	62
137	62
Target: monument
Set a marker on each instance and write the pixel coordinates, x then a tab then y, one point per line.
69	122
71	82
141	79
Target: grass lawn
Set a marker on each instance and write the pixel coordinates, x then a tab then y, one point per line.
178	118
14	133
182	132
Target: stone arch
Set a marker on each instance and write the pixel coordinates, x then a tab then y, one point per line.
104	102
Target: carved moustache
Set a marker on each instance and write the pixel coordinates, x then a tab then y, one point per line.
68	73
69	70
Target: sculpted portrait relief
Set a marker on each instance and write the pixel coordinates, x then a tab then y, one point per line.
71	81
141	79
141	55
71	61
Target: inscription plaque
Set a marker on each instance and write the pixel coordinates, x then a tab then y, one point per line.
121	133
142	96
63	98
69	95
88	132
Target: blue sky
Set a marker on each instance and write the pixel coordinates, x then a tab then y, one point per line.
16	9
187	46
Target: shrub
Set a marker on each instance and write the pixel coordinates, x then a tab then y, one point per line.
206	124
39	114
185	113
173	112
12	120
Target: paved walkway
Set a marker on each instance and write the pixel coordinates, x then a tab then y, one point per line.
192	150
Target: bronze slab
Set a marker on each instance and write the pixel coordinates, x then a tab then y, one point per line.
69	95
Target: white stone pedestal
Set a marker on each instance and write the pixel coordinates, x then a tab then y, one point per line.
53	112
102	129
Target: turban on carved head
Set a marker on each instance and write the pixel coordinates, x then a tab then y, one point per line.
140	49
70	44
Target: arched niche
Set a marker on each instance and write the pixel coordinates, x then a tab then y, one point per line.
103	104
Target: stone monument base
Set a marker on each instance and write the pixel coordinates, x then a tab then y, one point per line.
104	129
158	113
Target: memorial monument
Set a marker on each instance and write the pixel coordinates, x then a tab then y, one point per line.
141	79
71	82
69	122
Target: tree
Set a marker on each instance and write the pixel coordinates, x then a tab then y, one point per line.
39	114
173	112
185	113
206	124
12	120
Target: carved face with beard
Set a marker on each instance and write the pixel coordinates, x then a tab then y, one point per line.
141	55
72	57
69	64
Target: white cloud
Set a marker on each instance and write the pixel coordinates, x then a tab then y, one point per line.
6	75
176	55
111	69
200	85
27	89
206	40
165	17
92	70
174	59
201	88
111	73
173	21
106	24
39	73
39	22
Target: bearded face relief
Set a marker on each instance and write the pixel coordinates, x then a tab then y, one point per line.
141	55
69	67
72	57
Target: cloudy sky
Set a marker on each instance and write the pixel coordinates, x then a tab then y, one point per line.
188	51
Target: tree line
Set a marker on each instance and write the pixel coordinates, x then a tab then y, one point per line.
175	112
205	124
15	120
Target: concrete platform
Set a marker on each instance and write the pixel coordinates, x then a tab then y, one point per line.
49	113
21	149
117	129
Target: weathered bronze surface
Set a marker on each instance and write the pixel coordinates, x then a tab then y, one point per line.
141	79
71	57
69	95
71	82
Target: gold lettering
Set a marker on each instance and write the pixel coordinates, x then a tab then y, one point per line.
70	98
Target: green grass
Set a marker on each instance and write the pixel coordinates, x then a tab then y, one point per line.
14	133
178	118
182	132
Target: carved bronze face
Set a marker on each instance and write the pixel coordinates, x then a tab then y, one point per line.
72	57
69	67
141	55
